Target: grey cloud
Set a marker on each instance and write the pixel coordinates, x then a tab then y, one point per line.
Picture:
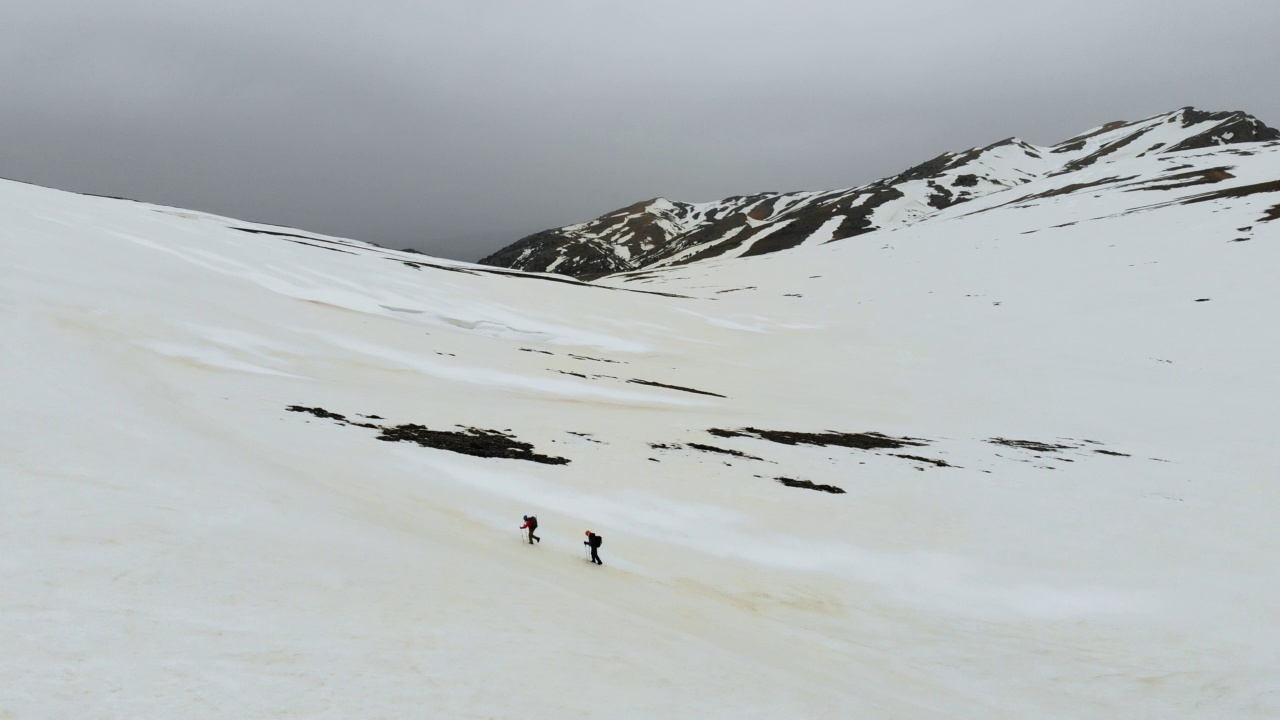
457	127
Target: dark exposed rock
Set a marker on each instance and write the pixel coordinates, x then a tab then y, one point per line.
469	441
322	413
861	441
1033	445
279	233
931	461
722	451
540	251
1078	142
1064	190
928	168
321	247
1096	155
1231	127
808	485
1182	180
435	266
941	197
796	232
674	387
947	161
1235	192
315	242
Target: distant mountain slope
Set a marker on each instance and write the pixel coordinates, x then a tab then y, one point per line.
662	232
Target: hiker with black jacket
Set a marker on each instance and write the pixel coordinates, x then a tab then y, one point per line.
593	542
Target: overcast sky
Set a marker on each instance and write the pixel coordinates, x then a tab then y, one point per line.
459	127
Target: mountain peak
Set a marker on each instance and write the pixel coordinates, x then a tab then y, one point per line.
660	232
1222	128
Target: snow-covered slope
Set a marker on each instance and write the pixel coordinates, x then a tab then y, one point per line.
1050	410
661	232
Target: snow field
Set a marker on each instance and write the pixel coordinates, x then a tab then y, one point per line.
183	546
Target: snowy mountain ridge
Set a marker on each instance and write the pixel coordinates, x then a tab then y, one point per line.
661	232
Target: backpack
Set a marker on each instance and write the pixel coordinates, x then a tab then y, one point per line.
596	541
533	523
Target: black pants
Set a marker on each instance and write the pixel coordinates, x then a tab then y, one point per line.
595	557
533	537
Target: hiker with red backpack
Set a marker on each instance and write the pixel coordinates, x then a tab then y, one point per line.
593	541
531	524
